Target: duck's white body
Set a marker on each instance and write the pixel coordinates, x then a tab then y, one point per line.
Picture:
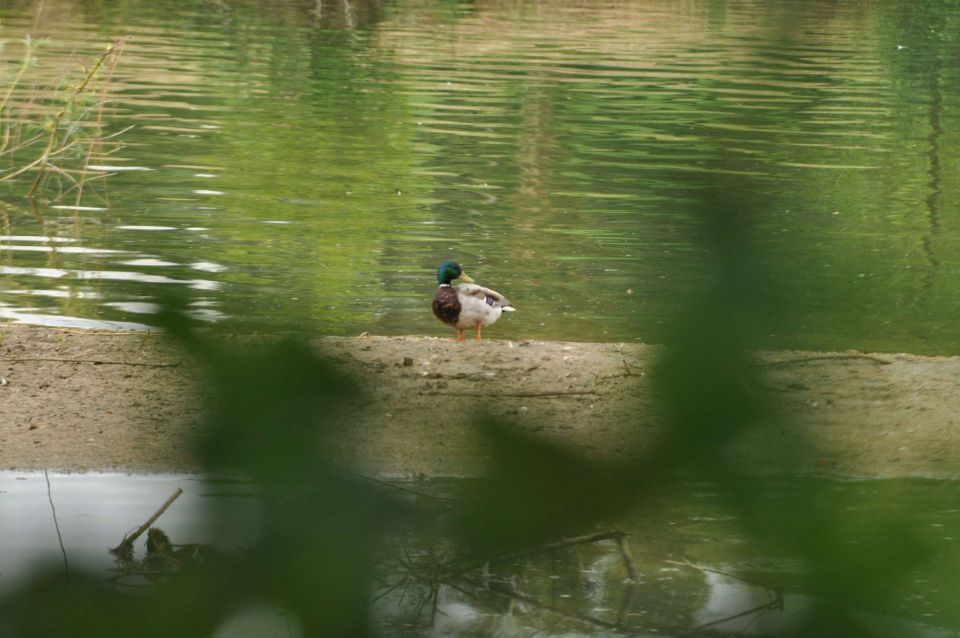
479	305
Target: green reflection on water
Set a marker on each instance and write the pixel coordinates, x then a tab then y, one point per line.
553	149
695	565
693	560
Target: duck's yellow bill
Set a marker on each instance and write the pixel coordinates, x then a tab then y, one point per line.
464	277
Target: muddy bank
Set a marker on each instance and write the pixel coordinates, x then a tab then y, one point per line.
87	400
74	400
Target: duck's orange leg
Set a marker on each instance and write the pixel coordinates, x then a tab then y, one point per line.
478	332
459	334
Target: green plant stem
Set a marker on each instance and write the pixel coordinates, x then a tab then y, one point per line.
43	160
27	58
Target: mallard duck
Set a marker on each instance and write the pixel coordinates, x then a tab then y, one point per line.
461	303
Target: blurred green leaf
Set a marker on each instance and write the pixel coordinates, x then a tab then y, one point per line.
533	491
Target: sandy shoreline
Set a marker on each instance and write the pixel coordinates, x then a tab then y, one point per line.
93	401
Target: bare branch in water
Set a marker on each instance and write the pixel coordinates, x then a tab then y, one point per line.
56	523
126	545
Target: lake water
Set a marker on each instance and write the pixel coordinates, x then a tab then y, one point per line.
303	166
700	568
94	512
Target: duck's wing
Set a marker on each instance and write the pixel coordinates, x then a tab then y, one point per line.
490	297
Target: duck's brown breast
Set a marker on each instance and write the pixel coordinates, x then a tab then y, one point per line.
446	305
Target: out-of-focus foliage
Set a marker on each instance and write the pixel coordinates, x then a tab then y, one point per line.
275	405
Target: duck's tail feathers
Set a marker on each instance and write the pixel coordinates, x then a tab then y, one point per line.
507	308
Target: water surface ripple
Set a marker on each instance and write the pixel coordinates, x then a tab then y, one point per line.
307	171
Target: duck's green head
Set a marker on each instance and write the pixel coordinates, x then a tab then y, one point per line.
450	271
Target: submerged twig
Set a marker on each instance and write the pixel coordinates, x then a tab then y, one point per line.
627	556
461	575
126	545
773	604
404	488
516	594
561	544
687	563
56	523
776	595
